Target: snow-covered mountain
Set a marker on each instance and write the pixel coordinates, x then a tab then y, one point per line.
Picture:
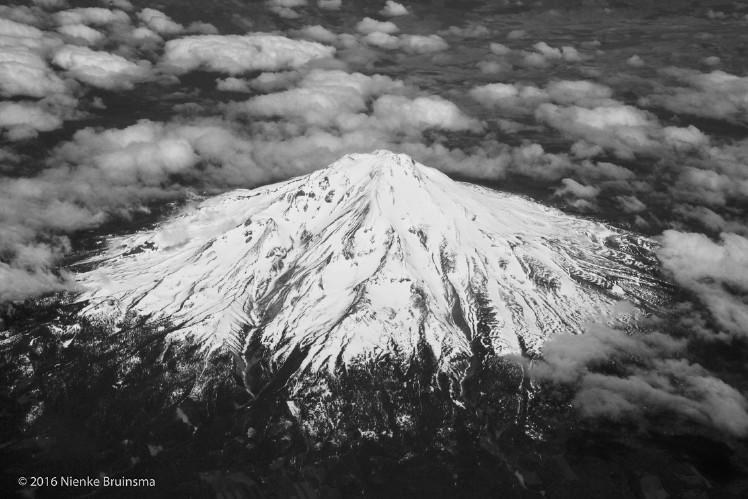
374	255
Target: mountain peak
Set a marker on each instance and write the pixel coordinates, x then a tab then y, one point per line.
380	162
382	167
374	256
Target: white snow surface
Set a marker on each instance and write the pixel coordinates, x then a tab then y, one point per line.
375	255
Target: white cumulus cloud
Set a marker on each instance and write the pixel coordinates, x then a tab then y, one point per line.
401	113
101	69
393	9
717	271
323	97
81	32
159	22
23	67
717	95
23	120
234	54
97	16
368	25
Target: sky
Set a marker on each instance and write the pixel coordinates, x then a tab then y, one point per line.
635	115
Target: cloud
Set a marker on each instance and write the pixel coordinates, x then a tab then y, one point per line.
142	160
354	48
685	139
650	378
25	73
368	25
234	54
580	92
323	97
201	28
707	187
51	4
120	4
574	188
499	49
24	120
315	147
142	36
97	16
19	283
401	113
152	154
695	170
412	44
23	68
603	170
510	97
317	33
566	53
525	99
545	54
533	161
625	130
101	69
422	44
340	99
717	272
159	22
329	113
274	81
393	9
566	358
21	14
232	84
330	4
81	32
8	159
12	29
325	114
707	219
696	395
712	176
635	61
717	95
493	67
382	40
471	30
631	204
285	8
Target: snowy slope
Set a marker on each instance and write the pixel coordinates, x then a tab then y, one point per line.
373	255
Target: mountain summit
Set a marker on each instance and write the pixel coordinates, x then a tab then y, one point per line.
375	256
